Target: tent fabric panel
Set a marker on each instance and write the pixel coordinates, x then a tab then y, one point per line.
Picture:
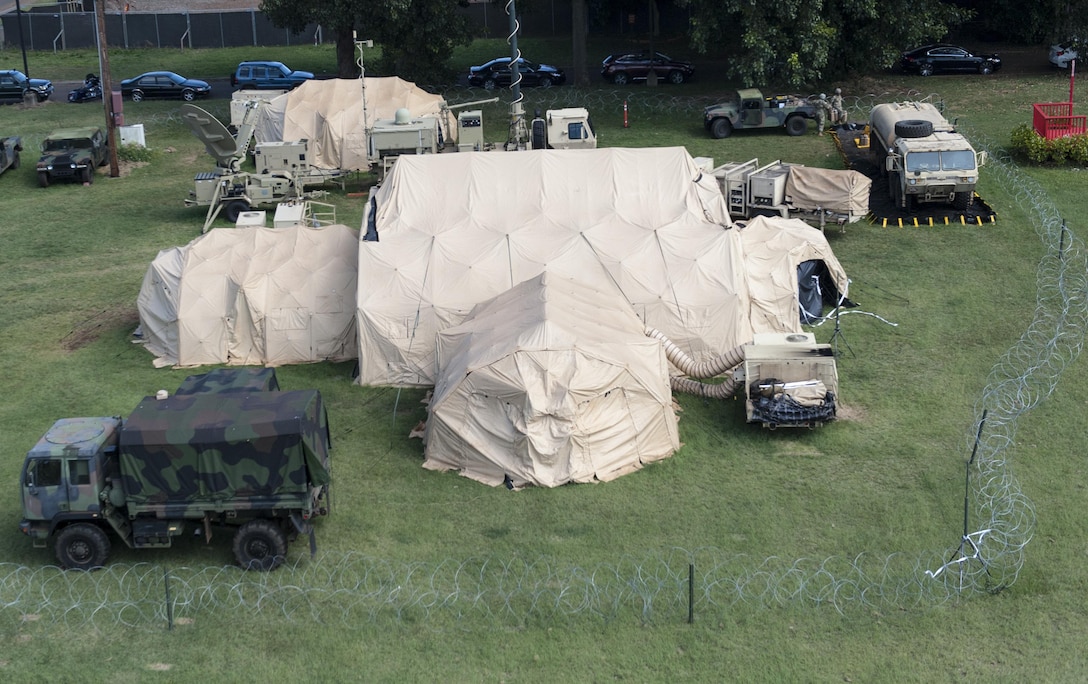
456	230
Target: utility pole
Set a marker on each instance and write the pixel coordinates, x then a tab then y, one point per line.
107	86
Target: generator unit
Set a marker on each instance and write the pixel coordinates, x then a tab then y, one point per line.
470	131
789	380
404	135
291	157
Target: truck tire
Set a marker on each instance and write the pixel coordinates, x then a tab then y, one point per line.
234	209
15	161
260	545
87	175
82	547
796	125
720	128
43	179
913	128
963	200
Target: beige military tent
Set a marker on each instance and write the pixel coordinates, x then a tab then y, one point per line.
454	230
773	250
245	296
330	114
552	381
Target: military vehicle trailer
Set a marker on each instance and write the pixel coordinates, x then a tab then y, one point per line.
749	108
255	462
923	157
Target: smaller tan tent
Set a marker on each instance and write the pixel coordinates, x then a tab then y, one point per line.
773	249
844	192
550	382
329	114
248	296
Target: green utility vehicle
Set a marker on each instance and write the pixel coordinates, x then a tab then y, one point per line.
72	154
749	108
250	460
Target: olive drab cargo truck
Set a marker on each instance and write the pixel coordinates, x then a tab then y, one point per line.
923	157
255	462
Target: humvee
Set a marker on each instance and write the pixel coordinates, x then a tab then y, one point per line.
72	154
749	108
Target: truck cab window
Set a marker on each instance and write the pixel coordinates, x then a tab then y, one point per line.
79	472
44	473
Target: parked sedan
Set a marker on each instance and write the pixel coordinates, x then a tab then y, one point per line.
622	68
947	59
496	74
1062	55
164	84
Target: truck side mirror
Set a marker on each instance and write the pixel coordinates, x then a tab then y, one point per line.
982	157
889	163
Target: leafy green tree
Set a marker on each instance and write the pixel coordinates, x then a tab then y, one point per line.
416	36
335	16
804	41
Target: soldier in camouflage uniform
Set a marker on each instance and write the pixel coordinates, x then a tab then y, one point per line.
823	111
838	109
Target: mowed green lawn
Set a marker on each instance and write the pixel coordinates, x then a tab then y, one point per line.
885	483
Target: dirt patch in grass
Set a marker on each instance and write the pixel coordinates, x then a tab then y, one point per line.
87	331
843	412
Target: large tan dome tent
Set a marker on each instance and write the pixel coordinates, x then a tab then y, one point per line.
550	382
329	114
454	230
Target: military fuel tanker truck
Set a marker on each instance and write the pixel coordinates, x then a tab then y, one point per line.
922	155
255	462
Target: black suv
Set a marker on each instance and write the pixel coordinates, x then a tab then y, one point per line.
72	154
14	85
267	76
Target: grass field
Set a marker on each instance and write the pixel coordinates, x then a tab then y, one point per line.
886	482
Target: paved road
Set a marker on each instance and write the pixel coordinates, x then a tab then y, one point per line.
221	89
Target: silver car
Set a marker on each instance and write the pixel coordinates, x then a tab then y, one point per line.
1062	55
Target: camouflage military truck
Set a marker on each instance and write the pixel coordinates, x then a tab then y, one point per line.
749	108
10	148
924	158
255	462
72	154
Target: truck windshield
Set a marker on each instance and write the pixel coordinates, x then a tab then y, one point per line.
948	160
958	160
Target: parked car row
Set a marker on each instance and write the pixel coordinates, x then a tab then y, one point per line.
260	75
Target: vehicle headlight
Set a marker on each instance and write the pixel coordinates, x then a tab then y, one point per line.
912	181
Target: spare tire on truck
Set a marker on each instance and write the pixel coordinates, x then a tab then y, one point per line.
913	128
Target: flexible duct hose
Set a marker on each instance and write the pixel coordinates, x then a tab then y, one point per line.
702	389
692	368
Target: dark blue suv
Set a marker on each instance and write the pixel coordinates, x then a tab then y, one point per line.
267	76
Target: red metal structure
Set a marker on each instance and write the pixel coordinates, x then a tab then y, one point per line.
1056	119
